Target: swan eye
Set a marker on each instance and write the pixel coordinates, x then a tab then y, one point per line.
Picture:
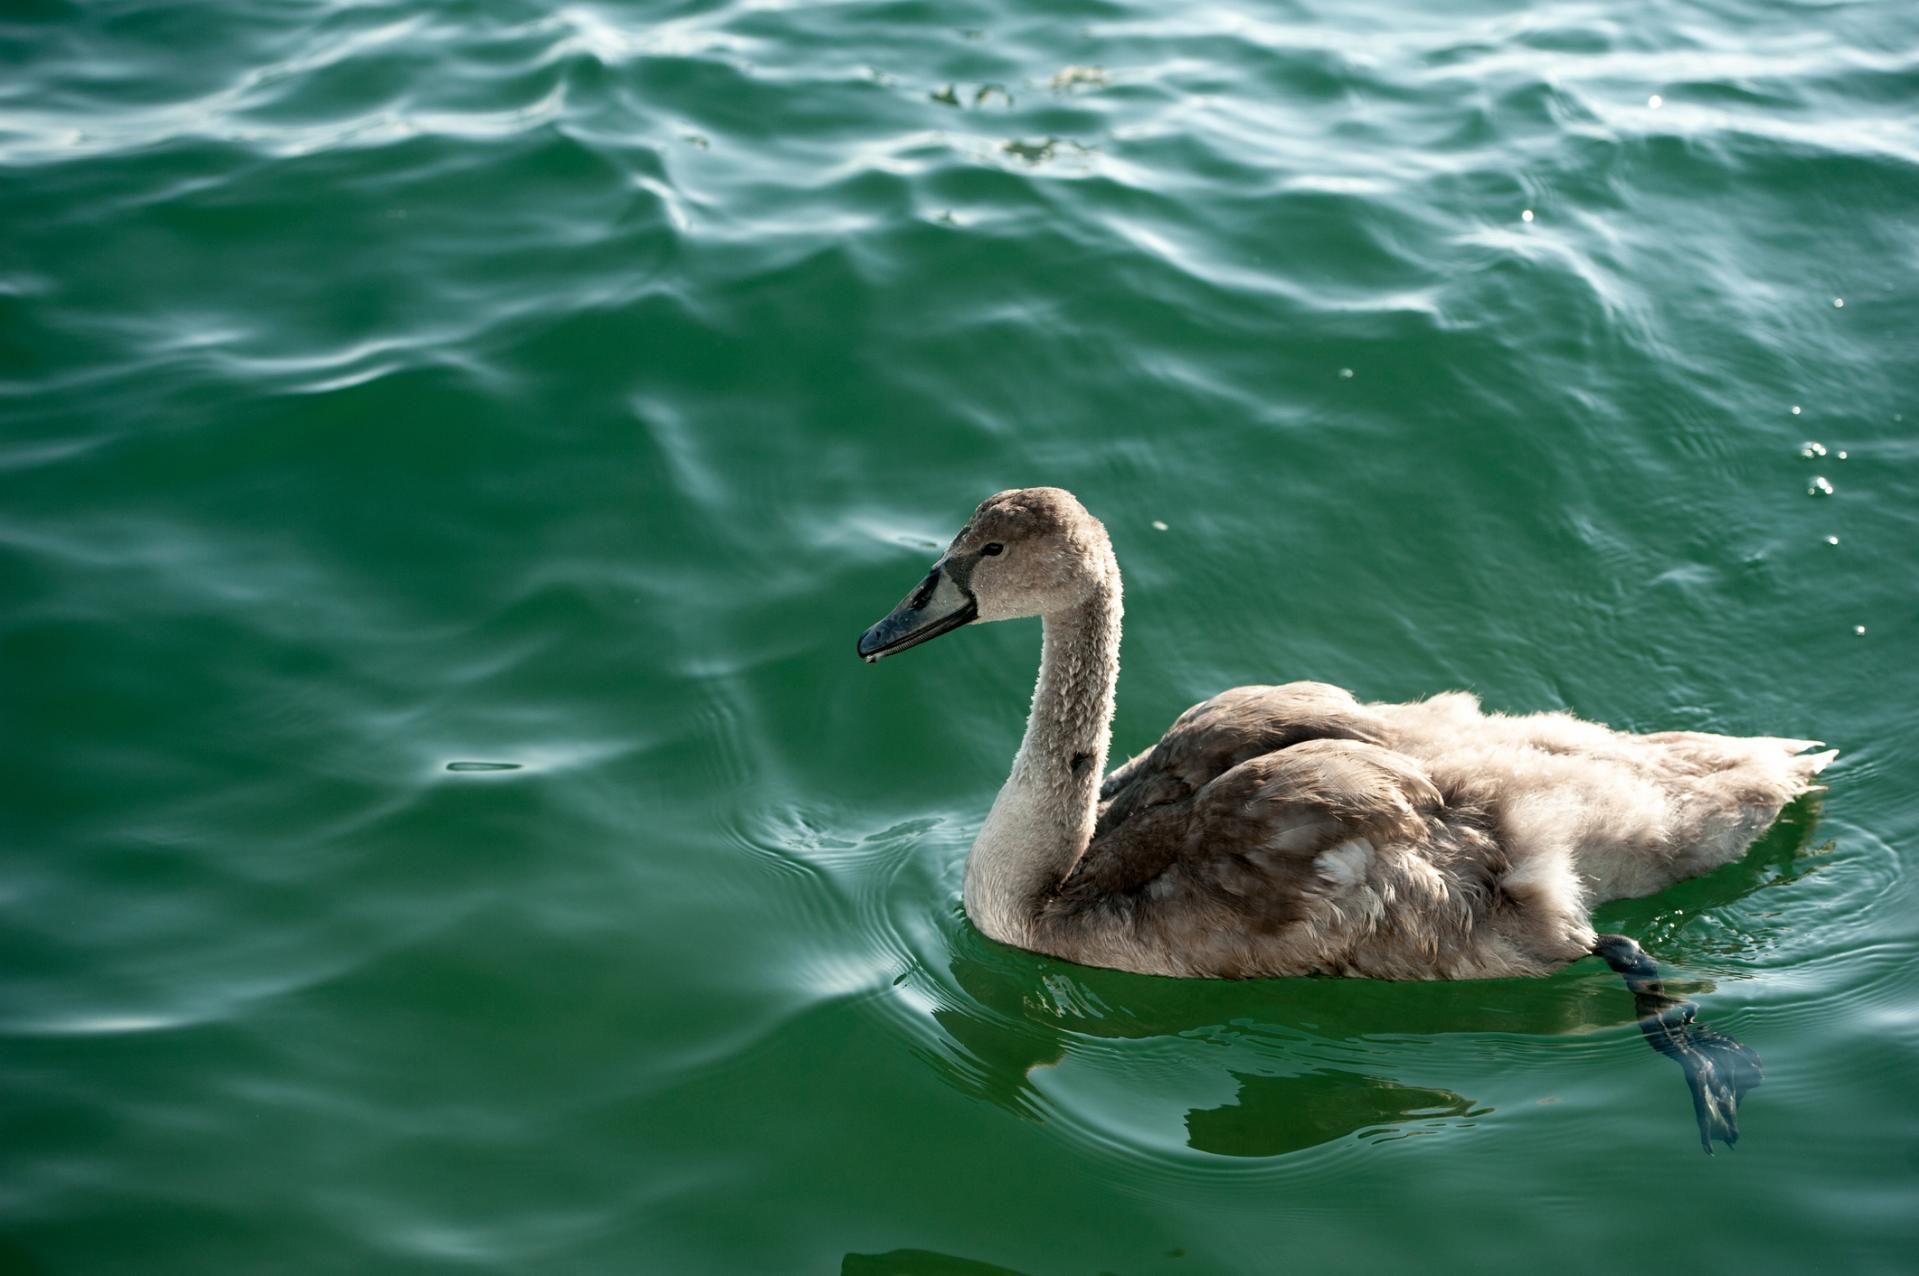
994	548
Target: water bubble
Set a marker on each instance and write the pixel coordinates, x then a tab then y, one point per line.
1838	303
1820	487
1859	629
1832	540
1526	216
1795	409
1842	454
1158	526
1346	374
1655	101
1810	448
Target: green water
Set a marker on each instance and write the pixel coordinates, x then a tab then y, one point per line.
390	388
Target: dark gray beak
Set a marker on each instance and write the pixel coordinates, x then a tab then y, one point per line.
940	604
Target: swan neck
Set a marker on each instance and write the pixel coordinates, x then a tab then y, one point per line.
1043	818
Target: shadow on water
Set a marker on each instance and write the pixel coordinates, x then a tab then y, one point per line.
919	1262
1310	1059
1272	1116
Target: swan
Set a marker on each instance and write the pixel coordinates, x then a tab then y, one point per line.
1295	830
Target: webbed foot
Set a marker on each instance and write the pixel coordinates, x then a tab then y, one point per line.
1719	1070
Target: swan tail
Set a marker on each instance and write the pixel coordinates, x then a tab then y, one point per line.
1807	766
1801	766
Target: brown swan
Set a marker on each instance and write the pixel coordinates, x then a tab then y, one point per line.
1294	830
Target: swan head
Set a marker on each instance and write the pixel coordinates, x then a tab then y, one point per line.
1028	551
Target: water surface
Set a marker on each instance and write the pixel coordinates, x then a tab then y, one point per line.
447	453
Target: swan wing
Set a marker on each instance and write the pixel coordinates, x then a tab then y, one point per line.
1262	844
1216	735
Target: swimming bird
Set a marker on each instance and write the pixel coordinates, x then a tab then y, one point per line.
1296	830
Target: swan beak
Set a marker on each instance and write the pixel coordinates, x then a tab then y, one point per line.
937	605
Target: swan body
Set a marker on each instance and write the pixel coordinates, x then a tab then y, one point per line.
1293	829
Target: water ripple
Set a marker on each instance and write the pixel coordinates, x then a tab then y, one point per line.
448	454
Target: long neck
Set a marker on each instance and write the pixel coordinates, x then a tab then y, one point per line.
1043	818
